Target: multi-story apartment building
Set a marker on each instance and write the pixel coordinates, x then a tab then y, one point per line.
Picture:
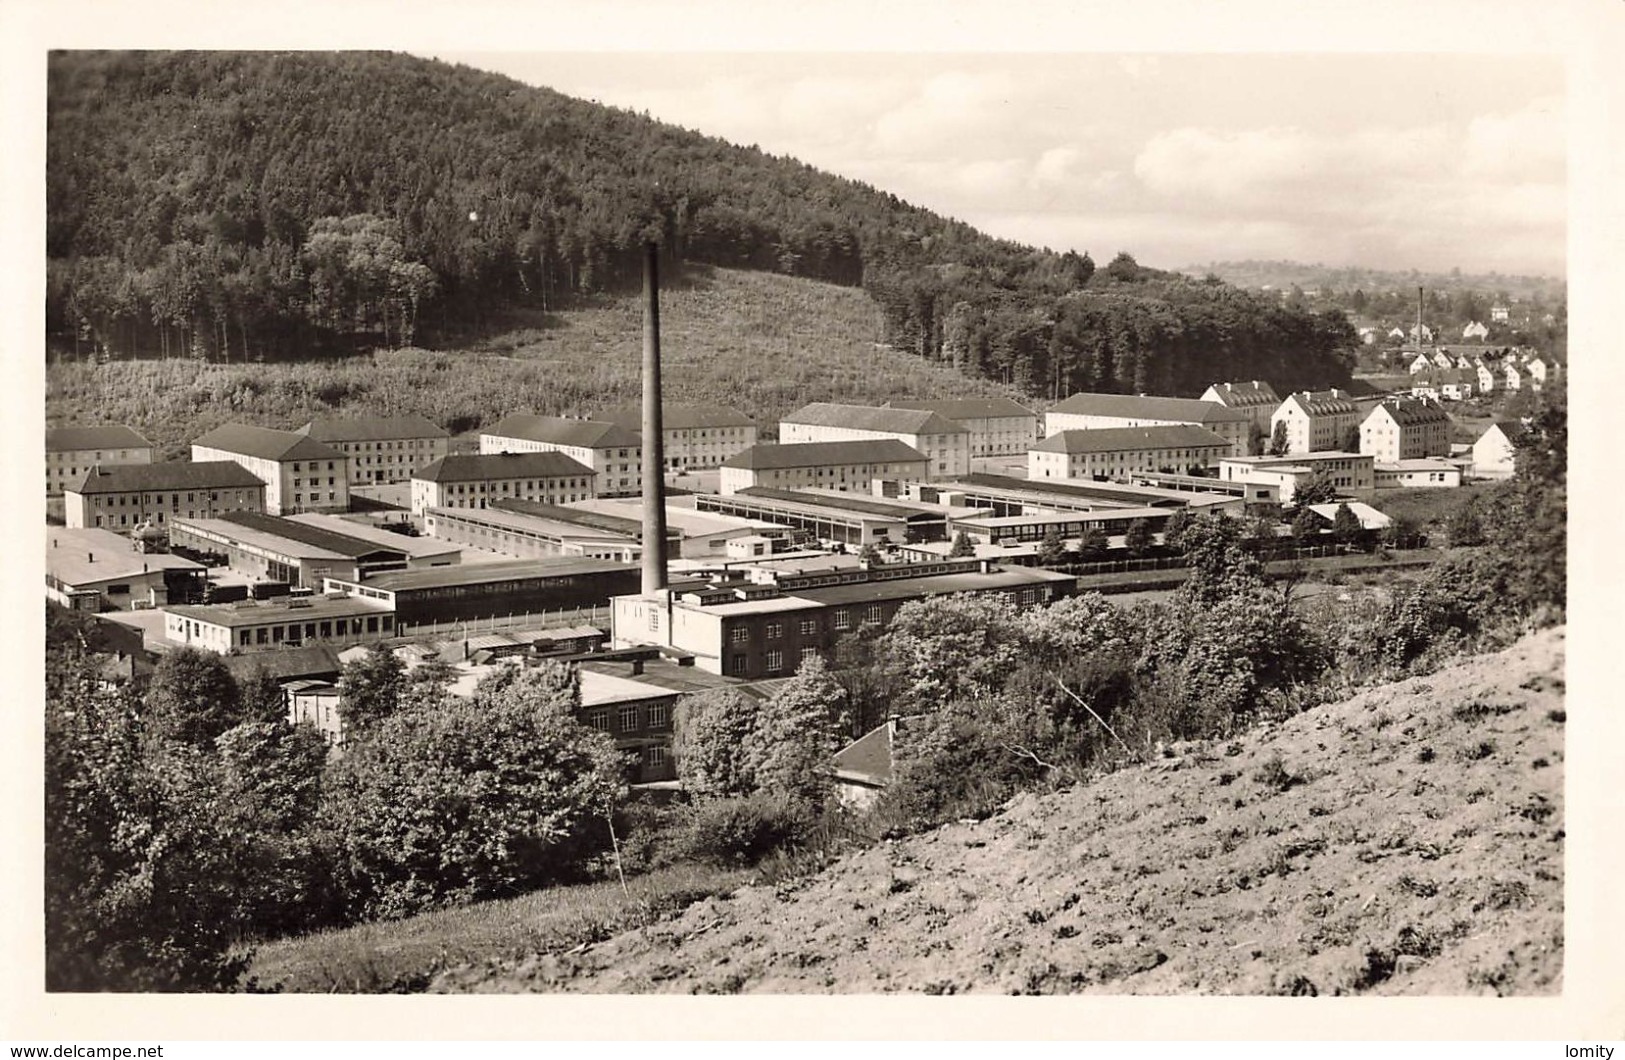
1402	429
1316	420
1085	412
300	473
1108	452
694	436
945	444
844	466
998	426
614	453
475	480
72	451
1258	400
123	497
382	448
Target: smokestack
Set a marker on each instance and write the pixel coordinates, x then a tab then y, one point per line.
654	448
1419	318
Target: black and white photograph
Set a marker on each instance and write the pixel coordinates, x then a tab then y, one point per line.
616	513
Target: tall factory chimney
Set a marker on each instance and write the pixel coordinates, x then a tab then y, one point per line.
1419	318
654	447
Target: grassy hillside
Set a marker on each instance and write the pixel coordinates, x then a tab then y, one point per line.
761	342
1406	841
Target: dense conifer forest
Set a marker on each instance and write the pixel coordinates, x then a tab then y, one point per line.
231	206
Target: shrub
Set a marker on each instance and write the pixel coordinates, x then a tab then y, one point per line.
743	830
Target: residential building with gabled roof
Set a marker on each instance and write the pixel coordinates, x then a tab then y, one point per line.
1316	420
1092	411
300	473
998	426
1421	363
614	453
474	480
694	436
1448	384
1405	429
844	466
1486	377
382	448
71	451
1495	454
126	496
945	443
1512	376
1257	399
1475	330
1108	452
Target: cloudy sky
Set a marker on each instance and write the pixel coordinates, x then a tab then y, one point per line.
1385	160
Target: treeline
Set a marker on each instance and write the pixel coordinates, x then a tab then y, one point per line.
261	205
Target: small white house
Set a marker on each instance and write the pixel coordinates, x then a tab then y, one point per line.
1475	330
1495	453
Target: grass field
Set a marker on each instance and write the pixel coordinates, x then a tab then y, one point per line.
763	343
402	956
1423	507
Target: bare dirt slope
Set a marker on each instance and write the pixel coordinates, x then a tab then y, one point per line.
1406	841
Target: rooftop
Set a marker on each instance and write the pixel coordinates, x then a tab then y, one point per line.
83	556
805	500
510	570
530	522
619	525
320	537
774	456
266	443
1124	439
284	664
372	428
169	475
691	522
1412	412
962	409
1252	394
677	417
895	420
108	436
490	467
1113	493
284	609
417	547
867	759
557	430
1131	406
1324	402
268	540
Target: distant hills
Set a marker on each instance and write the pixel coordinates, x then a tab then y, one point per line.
1285	274
249	206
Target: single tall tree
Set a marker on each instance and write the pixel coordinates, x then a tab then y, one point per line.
192	698
370	687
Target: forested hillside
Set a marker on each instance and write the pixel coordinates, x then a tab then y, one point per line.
231	206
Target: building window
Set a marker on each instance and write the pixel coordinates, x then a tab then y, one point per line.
808	653
656	757
775	630
599	719
843	619
659	715
775	661
739	635
738	665
873	614
809	627
629	719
